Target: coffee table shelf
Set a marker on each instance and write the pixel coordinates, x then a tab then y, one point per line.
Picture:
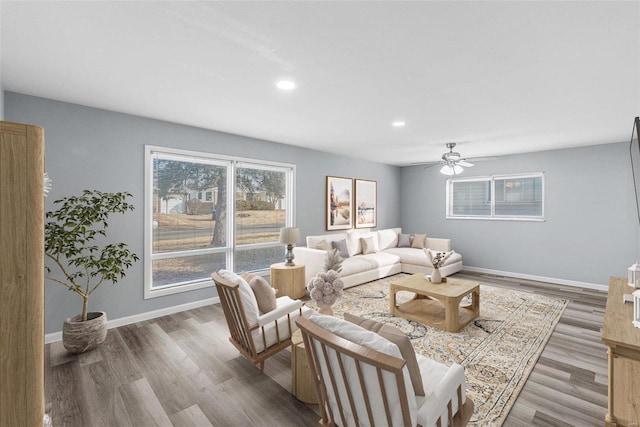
436	305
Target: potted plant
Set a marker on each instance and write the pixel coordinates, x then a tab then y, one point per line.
72	241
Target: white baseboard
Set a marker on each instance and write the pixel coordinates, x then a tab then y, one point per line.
574	283
127	320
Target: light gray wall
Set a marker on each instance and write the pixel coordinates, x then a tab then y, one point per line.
88	148
591	228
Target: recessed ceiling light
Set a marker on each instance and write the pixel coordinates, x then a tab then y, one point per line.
286	85
398	124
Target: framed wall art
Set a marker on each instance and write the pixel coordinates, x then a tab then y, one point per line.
366	203
339	209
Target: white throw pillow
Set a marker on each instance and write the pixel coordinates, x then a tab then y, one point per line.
323	245
249	301
387	239
369	244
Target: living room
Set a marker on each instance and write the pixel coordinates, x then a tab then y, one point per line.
590	228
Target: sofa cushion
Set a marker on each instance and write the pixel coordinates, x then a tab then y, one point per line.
418	256
400	339
387	238
313	241
369	244
418	241
356	264
353	240
323	245
341	245
380	259
404	240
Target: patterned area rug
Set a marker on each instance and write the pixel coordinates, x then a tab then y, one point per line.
498	350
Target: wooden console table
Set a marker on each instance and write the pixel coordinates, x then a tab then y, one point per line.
623	341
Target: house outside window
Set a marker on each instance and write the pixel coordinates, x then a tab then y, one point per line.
499	197
206	212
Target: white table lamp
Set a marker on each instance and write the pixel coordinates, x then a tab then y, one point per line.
290	236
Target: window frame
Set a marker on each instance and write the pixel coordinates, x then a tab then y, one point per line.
231	162
492	180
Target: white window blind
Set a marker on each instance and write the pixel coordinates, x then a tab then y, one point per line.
510	197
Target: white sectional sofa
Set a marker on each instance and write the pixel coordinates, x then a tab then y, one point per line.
388	258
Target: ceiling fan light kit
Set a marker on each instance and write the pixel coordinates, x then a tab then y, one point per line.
453	162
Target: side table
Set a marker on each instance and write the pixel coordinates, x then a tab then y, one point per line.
302	386
288	280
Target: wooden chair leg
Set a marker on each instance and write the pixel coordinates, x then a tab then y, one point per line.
262	367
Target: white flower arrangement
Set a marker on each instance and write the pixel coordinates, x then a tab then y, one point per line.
325	288
439	259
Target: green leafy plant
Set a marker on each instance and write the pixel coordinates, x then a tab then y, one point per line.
72	234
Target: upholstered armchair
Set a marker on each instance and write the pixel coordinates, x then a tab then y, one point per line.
362	380
256	334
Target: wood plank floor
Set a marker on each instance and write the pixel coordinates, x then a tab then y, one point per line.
181	370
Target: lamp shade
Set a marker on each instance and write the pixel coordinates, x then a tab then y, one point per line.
289	235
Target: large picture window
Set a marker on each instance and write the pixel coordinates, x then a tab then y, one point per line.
506	197
206	212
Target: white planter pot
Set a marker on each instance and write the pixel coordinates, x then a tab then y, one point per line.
79	336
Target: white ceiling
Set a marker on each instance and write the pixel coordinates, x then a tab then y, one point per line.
496	77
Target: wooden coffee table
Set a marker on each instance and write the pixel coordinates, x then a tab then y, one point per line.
436	305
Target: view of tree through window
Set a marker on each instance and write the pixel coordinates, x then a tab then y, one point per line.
198	226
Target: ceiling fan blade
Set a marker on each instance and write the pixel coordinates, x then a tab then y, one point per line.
430	165
480	159
465	163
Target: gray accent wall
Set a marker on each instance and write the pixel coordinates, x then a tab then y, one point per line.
88	148
1	101
591	228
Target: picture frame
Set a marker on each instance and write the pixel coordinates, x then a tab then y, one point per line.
366	203
339	200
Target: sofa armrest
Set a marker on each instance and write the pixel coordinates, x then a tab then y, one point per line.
313	260
438	244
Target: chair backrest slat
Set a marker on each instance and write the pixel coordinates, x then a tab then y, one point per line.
231	303
360	376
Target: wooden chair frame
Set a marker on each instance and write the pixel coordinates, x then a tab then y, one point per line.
362	355
241	331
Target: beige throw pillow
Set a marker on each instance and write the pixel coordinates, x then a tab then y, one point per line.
324	245
369	245
419	241
399	338
263	291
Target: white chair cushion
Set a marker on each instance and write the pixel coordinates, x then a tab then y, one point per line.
363	337
283	326
440	385
249	301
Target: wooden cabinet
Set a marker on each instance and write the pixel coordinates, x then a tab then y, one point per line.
623	342
21	275
288	280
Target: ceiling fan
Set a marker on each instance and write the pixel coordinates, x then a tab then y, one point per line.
453	163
